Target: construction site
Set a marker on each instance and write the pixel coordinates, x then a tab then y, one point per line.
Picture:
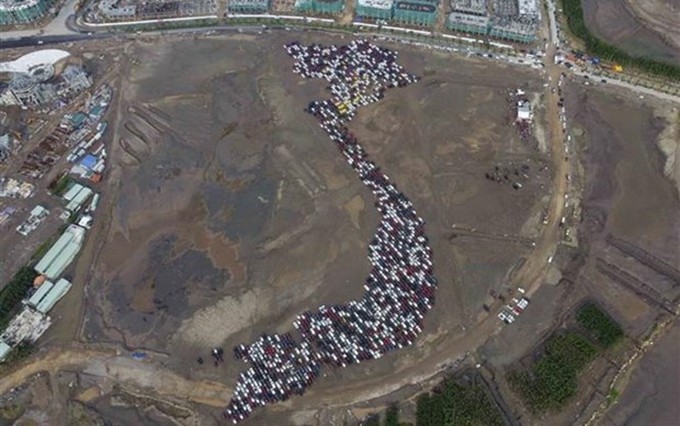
225	211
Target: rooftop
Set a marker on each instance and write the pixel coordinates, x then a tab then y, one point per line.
54	295
25	63
377	4
60	255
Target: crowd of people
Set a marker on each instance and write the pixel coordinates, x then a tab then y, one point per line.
401	285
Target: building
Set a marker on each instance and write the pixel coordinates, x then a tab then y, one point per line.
53	296
14	12
39	294
415	12
4	350
74	80
62	253
28	326
513	30
528	9
7	97
248	6
38	214
467	23
471	7
29	61
323	7
78	199
524	111
111	9
6	146
375	9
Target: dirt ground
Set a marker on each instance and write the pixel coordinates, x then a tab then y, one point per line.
650	396
645	29
234	213
227	211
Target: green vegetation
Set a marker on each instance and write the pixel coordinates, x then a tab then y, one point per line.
596	47
59	186
44	247
14	291
600	326
10	413
611	396
372	420
553	379
392	415
454	404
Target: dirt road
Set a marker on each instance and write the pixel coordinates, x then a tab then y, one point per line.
108	364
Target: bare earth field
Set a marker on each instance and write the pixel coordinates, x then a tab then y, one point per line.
228	211
650	397
234	213
647	28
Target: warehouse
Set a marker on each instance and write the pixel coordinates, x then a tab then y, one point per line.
39	294
62	253
324	7
76	196
23	11
248	6
53	296
375	9
415	12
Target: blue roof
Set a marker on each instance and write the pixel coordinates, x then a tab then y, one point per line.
89	161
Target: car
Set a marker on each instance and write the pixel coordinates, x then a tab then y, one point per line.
509	318
502	316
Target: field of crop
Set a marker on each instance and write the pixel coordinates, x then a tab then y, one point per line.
553	380
599	325
454	404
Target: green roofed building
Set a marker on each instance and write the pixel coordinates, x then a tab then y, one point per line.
415	12
375	9
52	297
14	12
248	6
324	7
40	293
4	350
62	253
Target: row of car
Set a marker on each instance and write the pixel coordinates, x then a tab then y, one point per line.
514	309
401	285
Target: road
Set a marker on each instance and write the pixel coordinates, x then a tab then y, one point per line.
108	364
